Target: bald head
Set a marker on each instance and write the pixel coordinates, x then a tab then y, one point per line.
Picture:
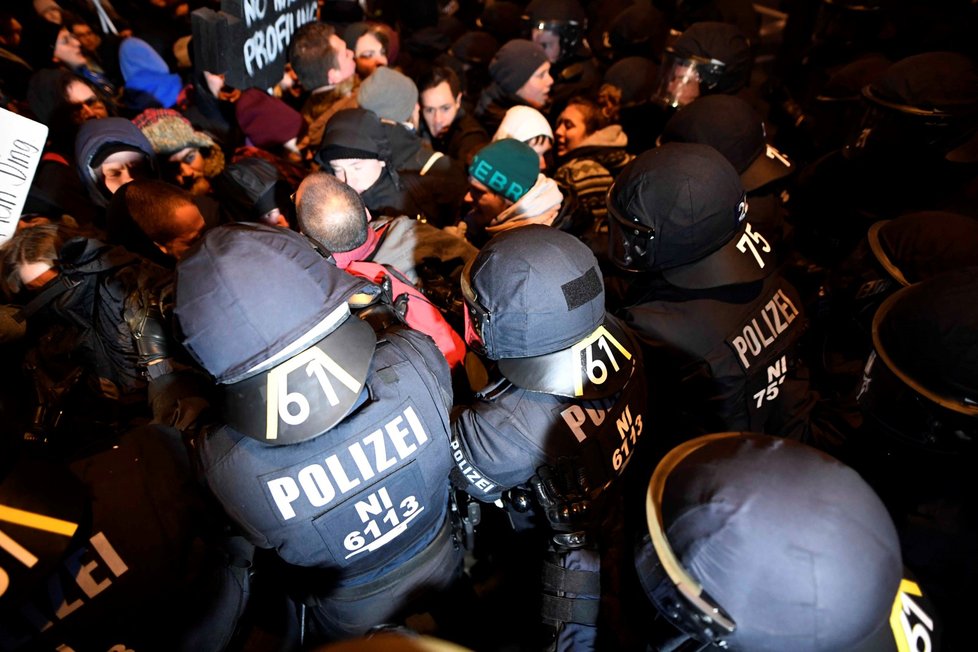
331	212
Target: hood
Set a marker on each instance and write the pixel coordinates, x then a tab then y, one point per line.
96	134
145	70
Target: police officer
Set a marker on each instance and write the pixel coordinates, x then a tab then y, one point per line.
560	27
335	451
761	544
563	413
706	59
894	254
919	398
116	550
719	322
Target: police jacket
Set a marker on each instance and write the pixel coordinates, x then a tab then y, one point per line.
126	554
727	354
501	440
363	497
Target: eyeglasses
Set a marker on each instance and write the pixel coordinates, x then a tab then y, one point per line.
89	102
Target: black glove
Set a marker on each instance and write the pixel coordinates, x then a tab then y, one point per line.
566	504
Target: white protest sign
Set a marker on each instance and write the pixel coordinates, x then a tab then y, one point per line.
21	144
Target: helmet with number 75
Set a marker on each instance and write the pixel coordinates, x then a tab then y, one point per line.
535	303
680	209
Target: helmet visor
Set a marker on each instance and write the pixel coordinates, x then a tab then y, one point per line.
684	78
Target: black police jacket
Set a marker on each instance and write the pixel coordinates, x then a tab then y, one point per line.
726	356
363	497
504	438
135	560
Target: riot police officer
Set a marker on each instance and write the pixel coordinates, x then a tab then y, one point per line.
719	323
335	451
761	544
563	413
115	549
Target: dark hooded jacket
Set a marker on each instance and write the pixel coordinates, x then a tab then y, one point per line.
433	195
92	138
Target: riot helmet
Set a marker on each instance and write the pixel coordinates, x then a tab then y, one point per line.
761	543
265	314
920	384
843	28
707	58
563	20
918	246
731	126
680	209
535	303
924	106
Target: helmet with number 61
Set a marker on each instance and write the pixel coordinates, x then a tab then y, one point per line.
535	303
680	209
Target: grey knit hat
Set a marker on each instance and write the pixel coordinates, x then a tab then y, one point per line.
388	93
515	63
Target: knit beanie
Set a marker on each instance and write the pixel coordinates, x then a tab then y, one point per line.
515	63
353	133
507	167
388	93
523	123
169	132
266	121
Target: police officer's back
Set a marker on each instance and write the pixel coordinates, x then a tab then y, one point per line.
115	550
336	450
719	323
564	413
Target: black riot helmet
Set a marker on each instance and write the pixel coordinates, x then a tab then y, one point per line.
680	209
759	543
707	58
920	385
535	303
843	28
924	106
265	314
564	18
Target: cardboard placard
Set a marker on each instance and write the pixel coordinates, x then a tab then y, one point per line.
248	40
21	145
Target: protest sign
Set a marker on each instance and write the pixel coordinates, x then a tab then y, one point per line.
21	144
248	40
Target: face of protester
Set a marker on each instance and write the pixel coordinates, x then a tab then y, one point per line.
67	50
190	224
189	163
120	168
85	103
536	90
274	217
358	173
486	202
549	41
86	36
346	64
370	53
571	130
439	108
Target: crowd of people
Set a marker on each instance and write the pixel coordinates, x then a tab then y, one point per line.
547	325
